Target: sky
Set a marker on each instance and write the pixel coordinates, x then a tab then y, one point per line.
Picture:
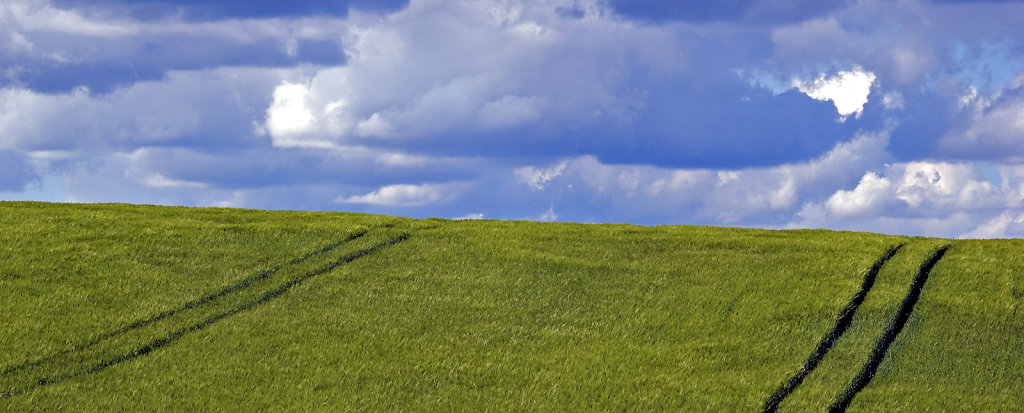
899	117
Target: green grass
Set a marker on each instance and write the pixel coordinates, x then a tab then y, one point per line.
850	353
965	346
482	315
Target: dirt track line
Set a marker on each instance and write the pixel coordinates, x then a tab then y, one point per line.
156	344
830	338
241	285
890	334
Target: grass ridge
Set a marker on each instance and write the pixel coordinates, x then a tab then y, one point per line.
830	338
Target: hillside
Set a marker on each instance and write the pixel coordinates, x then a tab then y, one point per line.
134	307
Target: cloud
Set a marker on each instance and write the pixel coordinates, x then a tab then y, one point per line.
505	66
893	100
584	185
528	78
934	185
537	178
470	217
913	45
198	108
927	188
297	178
288	114
160	181
18	43
992	124
101	47
848	90
403	195
931	198
1006	225
36	16
549	215
374	126
867	199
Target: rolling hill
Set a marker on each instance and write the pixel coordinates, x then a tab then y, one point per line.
127	307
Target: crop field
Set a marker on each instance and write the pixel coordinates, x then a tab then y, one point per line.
126	307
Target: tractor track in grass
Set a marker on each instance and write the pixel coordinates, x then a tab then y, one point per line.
238	286
830	338
170	338
891	332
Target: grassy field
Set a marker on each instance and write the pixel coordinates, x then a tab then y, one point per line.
140	307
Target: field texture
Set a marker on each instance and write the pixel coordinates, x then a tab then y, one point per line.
139	307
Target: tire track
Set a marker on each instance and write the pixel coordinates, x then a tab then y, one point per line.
241	285
171	338
891	332
830	338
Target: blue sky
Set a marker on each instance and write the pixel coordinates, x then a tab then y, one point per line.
902	117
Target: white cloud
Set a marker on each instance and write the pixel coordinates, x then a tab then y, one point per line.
217	103
538	178
375	126
854	186
549	215
842	38
110	47
403	195
288	115
1007	225
892	100
160	181
994	123
926	181
470	217
42	17
848	90
867	198
679	181
505	65
712	196
756	191
291	47
18	43
401	159
924	198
